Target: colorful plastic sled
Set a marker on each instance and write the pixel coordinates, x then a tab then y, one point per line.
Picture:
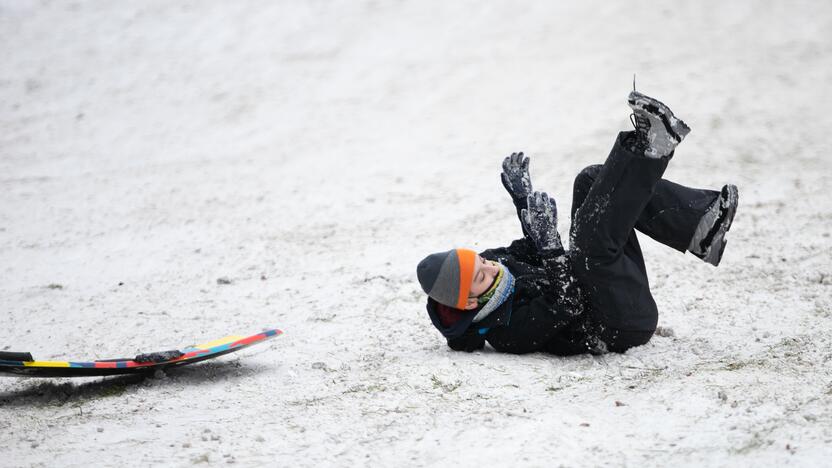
22	364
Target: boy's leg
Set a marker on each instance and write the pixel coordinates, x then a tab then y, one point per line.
606	256
670	217
674	212
605	253
603	222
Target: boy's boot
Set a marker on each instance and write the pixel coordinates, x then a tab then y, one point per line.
708	240
658	131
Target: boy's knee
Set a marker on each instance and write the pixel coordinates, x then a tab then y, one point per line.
587	176
619	341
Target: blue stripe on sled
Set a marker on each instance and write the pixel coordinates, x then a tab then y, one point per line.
81	364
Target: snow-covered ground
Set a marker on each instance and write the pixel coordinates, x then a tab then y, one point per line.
312	152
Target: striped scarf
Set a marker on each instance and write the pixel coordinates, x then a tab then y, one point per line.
503	289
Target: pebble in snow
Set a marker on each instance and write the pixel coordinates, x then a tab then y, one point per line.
666	332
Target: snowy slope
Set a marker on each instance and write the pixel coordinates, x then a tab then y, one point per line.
313	152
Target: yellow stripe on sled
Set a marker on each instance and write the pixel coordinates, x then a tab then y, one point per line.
45	364
219	342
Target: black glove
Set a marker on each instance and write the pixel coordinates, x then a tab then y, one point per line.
515	177
470	341
540	221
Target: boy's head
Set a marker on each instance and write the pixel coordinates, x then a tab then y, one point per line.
456	278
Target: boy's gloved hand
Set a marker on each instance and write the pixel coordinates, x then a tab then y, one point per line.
540	220
515	176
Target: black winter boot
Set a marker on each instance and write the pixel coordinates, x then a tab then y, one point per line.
708	241
658	130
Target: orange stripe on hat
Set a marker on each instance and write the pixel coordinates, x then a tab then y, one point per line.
467	259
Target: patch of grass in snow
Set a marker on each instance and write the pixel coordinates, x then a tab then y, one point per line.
737	365
757	441
732	366
373	388
447	387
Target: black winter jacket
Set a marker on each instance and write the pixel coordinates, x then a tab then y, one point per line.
546	312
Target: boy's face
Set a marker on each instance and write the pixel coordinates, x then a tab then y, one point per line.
485	272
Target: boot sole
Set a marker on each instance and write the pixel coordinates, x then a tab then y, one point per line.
677	128
717	247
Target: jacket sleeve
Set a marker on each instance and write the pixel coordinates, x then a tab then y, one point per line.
536	322
568	297
522	250
532	326
557	266
470	341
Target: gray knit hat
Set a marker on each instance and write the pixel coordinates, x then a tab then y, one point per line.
446	276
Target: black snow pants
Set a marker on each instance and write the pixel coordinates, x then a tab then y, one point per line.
610	202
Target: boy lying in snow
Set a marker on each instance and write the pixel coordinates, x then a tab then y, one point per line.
535	296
